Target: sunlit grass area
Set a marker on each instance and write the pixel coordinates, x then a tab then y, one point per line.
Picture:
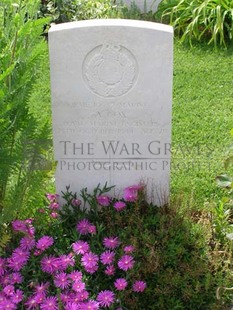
202	119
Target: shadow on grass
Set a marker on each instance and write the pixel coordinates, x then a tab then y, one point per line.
204	47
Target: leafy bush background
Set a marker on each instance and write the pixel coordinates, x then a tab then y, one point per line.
200	20
25	120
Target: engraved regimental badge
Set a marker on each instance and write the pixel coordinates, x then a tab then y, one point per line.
110	70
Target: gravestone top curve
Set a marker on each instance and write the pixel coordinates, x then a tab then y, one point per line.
112	22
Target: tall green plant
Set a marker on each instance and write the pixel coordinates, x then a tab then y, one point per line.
73	10
24	104
210	20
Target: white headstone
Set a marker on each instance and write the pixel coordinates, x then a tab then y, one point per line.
143	5
111	102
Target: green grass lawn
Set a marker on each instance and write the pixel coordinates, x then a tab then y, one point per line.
202	120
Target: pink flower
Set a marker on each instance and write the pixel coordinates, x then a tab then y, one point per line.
72	306
4	281
139	286
126	262
30	230
9	290
76	202
91	269
83	227
119	205
136	187
128	249
130	195
31	303
103	200
7	304
52	197
20	255
64	261
18	259
2	266
29	221
50	303
27	243
15	277
17	296
15	265
120	284
107	257
82	295
61	280
54	215
49	264
80	247
37	252
73	297
24	226
75	275
111	242
105	298
89	260
42	288
19	225
89	305
39	298
92	229
110	270
66	297
54	206
44	243
78	286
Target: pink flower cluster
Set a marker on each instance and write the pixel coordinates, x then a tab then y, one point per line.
103	200
53	205
119	205
44	243
61	271
52	264
84	227
25	227
74	293
131	193
90	261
